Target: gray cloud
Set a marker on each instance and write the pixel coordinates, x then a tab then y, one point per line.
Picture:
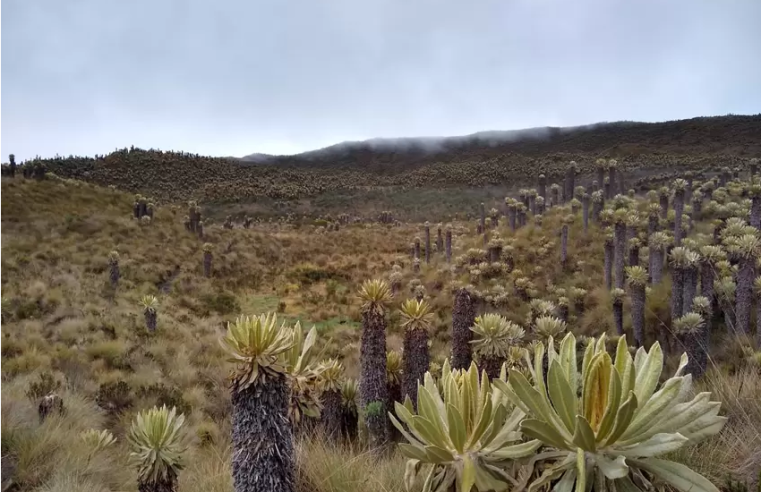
237	77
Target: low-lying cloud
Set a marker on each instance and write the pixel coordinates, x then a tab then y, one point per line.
235	77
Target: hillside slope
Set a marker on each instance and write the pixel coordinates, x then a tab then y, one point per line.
704	135
355	173
68	329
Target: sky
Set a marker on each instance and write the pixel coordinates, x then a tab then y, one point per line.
235	77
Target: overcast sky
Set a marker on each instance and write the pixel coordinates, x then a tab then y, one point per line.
284	76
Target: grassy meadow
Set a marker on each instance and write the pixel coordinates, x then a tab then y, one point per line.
65	328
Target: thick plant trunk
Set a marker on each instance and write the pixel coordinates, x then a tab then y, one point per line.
349	422
677	293
563	312
621	183
618	317
491	364
543	188
678	210
744	294
439	241
755	212
564	245
570	184
652	225
637	294
372	387
664	201
585	212
690	288
600	177
161	485
331	414
416	362
495	252
417	249
656	265
512	218
394	395
608	264
579	306
207	265
618	258
597	207
114	274
697	207
697	345
707	280
427	244
612	182
483	218
727	308
150	320
688	190
634	256
463	318
449	246
262	436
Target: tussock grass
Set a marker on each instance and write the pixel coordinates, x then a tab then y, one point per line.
736	451
62	317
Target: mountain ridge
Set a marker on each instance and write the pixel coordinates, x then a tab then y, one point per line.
701	134
375	168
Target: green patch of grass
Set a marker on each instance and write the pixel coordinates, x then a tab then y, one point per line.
326	326
259	304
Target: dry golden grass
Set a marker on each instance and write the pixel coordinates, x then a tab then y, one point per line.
61	317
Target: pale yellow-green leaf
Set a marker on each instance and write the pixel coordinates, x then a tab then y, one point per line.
581	471
486	481
625	485
623	418
541	430
428	433
517	451
410	473
413	452
569	364
565	484
584	437
647	415
612	468
468	479
412	440
649	373
679	476
481	426
549	474
538	404
611	409
596	384
457	431
562	395
657	445
438	455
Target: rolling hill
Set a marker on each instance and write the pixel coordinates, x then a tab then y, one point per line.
426	178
